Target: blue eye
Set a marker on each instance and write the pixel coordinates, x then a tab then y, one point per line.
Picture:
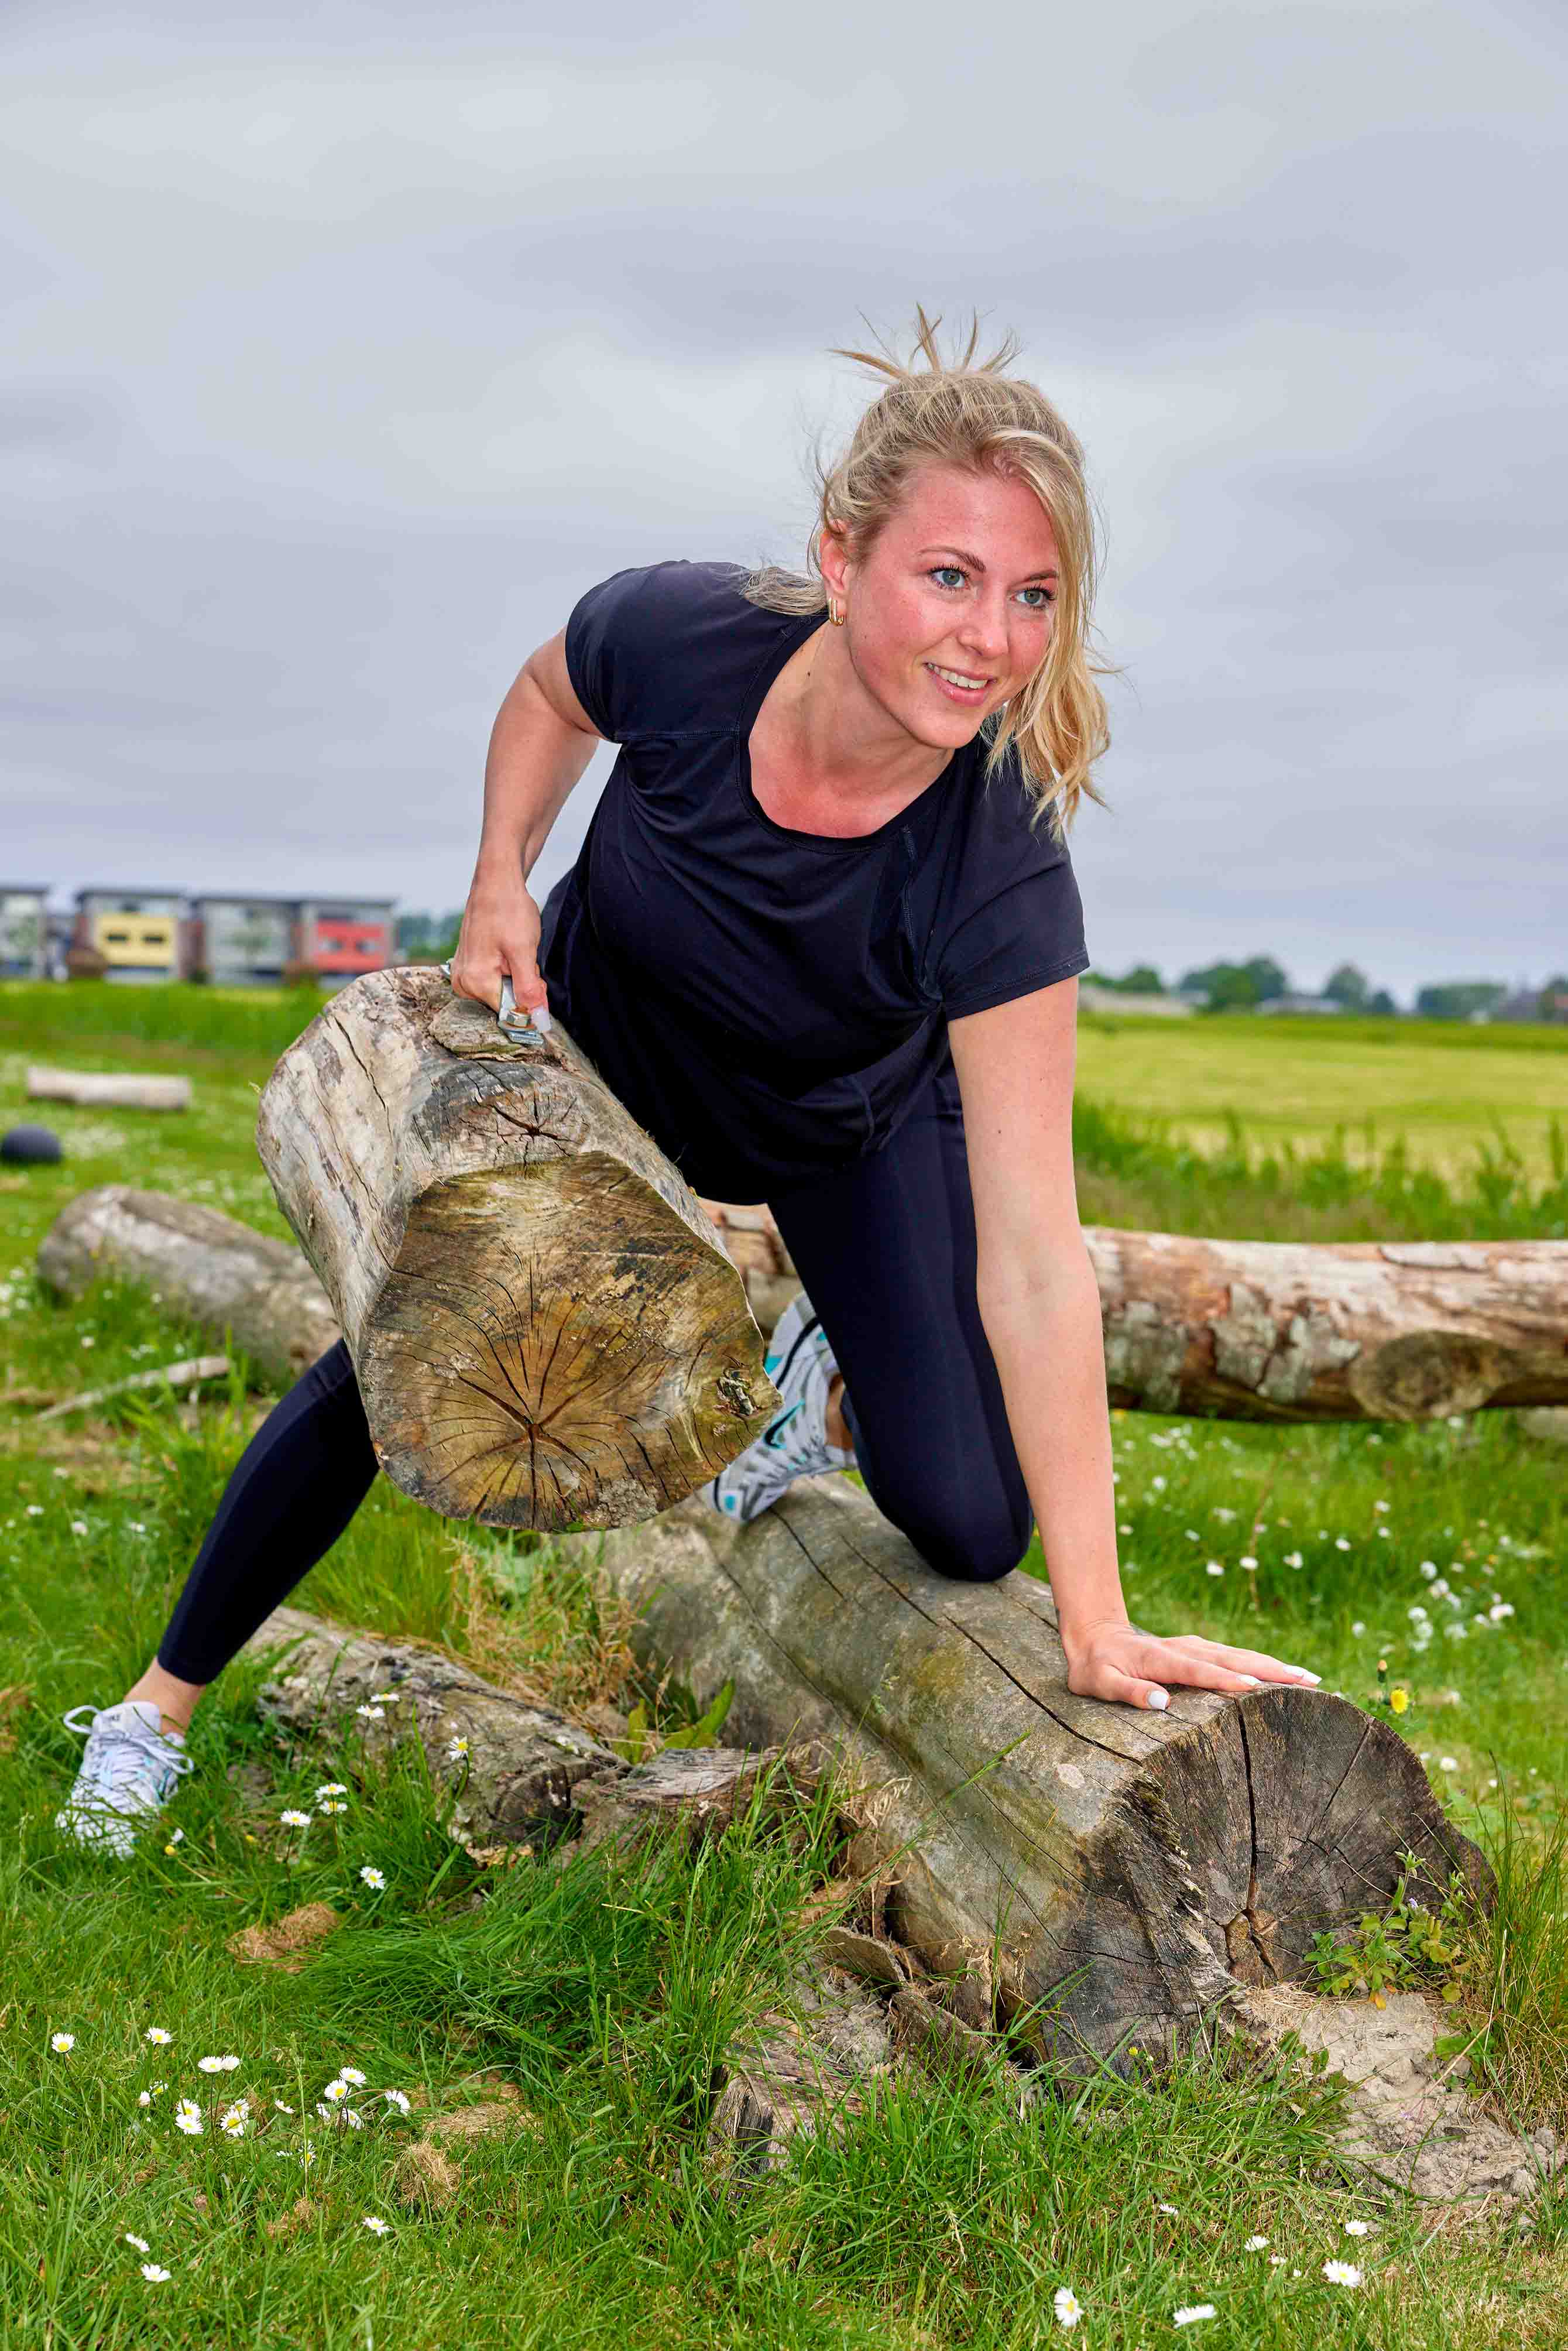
956	570
1048	596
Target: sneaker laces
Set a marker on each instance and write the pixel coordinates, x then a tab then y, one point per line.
121	1753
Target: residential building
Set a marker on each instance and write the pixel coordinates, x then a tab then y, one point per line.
341	938
242	940
1131	1002
24	930
137	932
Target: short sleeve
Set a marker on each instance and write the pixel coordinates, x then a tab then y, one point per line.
1027	933
611	639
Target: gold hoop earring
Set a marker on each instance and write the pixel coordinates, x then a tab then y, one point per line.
835	614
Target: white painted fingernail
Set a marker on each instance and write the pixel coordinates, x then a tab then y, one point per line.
1251	1681
541	1020
1159	1698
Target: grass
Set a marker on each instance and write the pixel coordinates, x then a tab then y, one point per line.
1439	1084
602	1988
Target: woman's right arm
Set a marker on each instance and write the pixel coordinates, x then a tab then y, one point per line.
542	742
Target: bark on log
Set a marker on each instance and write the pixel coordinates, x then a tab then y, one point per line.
546	1331
96	1089
207	1267
1134	1869
1292	1331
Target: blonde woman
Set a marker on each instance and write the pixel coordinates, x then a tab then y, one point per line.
822	939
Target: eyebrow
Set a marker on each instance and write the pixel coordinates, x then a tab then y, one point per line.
946	546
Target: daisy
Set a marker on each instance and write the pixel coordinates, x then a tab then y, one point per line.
62	2044
397	2098
332	1787
332	1804
79	1526
1190	2311
188	2118
1254	2244
1066	2304
385	1697
176	1836
295	1819
281	2107
457	1750
34	1510
216	2064
141	2243
351	2074
336	2091
376	2225
1174	2210
154	2275
369	1713
232	2122
1358	2228
1215	1568
1292	1559
1341	2274
354	2117
144	2097
159	2038
372	1878
1340	1543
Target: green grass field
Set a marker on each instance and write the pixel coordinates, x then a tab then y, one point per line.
1442	1086
602	1990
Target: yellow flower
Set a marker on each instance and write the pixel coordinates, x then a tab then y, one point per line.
1398	1697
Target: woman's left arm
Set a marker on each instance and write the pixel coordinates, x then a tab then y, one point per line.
1039	1304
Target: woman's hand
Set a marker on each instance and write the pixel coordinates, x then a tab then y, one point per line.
1114	1660
500	934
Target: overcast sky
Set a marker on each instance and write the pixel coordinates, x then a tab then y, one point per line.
347	348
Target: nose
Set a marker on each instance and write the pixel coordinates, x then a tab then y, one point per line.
984	633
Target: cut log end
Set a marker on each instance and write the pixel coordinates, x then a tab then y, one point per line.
581	1359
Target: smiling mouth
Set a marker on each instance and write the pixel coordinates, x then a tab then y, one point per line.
961	680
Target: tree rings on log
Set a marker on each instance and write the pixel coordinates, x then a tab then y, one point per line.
546	1328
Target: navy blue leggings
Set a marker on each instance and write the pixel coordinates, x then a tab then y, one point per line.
887	1251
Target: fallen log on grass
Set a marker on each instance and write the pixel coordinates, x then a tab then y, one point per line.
1079	1873
545	1327
204	1267
1096	1873
96	1089
192	1374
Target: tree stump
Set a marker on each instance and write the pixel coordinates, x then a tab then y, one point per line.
1125	1871
545	1329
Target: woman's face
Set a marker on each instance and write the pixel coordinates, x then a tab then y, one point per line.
949	613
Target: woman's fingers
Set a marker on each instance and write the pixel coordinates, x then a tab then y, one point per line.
1249	1661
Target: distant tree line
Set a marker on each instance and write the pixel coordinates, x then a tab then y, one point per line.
1242	987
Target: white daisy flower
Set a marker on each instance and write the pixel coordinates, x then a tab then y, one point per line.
328	2114
232	2122
1341	2274
141	2243
34	1510
332	1804
79	1526
294	1818
459	1746
62	2044
397	2098
1066	2304
1215	1568
385	1697
1255	2244
216	2064
1448	1764
1189	2312
336	2091
1340	1543
158	2037
176	1836
1292	1559
354	2119
281	2107
154	2275
376	2225
1174	2210
1358	2228
188	2118
369	1713
144	2097
1248	1561
351	2074
332	1787
372	1878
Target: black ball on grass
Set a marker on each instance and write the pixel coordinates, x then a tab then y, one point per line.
30	1146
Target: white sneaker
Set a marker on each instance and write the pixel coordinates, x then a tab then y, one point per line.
128	1771
800	1364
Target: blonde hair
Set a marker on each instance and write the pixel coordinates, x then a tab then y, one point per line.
977	415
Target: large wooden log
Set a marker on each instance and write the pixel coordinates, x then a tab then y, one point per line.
206	1269
1291	1331
1129	1870
98	1089
545	1329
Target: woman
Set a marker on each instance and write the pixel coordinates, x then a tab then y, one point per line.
822	940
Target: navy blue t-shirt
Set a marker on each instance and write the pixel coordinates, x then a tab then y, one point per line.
768	1003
